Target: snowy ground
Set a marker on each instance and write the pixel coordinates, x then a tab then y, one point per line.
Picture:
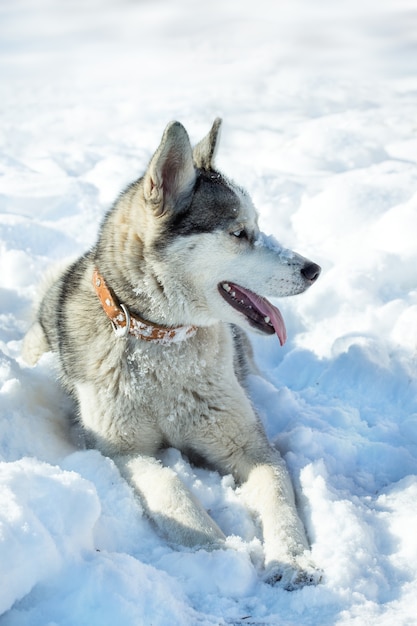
319	103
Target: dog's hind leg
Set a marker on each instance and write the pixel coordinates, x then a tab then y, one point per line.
178	516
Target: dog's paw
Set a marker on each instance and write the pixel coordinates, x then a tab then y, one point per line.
292	576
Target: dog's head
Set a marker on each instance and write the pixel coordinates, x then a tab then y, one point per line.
207	252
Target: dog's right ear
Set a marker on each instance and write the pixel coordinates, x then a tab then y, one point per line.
171	172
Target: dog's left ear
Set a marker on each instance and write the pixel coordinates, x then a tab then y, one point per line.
171	173
206	149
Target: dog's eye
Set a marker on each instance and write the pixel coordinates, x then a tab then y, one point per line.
240	234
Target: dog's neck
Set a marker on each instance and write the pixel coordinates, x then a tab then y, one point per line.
125	323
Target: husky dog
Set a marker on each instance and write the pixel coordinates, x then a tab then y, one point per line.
149	331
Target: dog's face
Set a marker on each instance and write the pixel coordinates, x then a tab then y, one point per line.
208	250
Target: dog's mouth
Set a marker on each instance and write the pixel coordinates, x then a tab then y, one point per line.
259	312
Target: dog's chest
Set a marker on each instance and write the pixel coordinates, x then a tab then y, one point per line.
178	381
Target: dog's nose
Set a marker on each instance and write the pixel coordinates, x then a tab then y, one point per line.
311	271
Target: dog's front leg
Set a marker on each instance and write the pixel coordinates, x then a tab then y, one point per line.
269	494
179	517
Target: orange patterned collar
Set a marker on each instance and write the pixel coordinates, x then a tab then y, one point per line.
125	323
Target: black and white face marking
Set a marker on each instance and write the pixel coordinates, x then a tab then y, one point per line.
215	205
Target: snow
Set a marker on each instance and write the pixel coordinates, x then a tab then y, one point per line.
318	101
270	243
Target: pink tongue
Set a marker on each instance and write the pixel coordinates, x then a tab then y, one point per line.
268	309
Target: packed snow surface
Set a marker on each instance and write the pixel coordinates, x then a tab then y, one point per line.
319	103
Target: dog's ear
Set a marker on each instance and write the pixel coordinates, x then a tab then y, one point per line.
206	149
171	172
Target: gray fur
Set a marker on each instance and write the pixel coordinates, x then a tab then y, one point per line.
169	241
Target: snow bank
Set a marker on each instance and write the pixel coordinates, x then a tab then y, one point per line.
46	518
